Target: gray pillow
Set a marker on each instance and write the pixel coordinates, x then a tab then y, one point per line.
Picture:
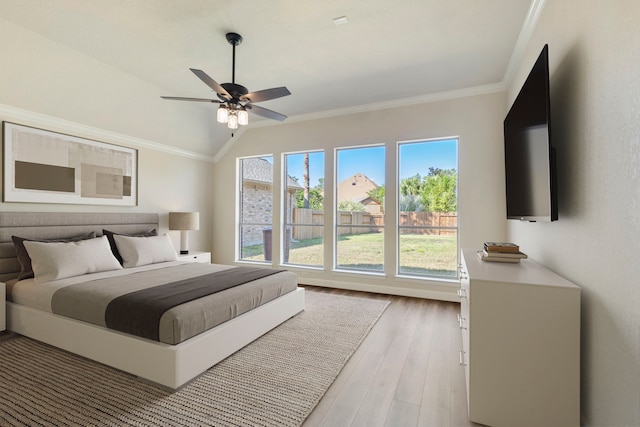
26	271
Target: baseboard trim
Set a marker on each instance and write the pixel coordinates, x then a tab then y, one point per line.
446	294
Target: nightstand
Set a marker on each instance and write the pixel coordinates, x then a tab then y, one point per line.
3	308
195	256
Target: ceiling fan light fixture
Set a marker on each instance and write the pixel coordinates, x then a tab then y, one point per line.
223	114
235	100
243	117
232	123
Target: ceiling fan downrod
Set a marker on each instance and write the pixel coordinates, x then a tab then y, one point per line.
234	40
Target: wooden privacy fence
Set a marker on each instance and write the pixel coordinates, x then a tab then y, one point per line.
370	223
430	219
307	216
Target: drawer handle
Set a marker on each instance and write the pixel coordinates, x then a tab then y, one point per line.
461	355
461	322
461	270
462	293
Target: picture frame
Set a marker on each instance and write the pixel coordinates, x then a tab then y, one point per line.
42	166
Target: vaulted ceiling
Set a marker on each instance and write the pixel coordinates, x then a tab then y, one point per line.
388	52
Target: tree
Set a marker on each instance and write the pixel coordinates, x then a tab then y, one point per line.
438	192
410	203
306	180
411	186
350	206
315	200
410	189
435	192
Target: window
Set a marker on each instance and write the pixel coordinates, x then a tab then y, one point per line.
428	208
303	240
255	208
359	214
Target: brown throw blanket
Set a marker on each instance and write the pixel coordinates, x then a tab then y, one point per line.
139	312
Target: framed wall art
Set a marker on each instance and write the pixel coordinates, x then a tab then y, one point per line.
41	166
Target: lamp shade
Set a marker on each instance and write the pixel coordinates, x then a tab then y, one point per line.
223	114
232	123
184	220
243	117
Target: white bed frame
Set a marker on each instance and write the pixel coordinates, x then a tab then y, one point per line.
171	366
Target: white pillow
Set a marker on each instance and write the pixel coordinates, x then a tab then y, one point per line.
57	260
137	251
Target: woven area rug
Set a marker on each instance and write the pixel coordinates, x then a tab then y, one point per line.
275	381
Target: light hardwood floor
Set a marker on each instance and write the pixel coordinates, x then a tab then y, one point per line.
405	373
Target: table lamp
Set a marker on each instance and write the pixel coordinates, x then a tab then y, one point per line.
184	221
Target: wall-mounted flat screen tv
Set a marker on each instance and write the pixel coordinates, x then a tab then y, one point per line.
530	161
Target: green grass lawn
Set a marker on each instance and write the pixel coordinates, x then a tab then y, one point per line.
419	255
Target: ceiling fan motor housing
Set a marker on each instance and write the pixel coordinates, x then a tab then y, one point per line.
235	90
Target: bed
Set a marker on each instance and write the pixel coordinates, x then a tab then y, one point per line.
184	355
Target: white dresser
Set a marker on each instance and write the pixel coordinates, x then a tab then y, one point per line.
520	328
3	307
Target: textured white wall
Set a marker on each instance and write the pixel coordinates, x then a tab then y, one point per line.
477	120
42	76
46	85
595	88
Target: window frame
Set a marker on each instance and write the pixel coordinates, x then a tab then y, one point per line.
398	227
336	223
284	212
240	206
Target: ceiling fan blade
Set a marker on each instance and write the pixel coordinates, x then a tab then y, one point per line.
266	94
179	98
211	83
264	112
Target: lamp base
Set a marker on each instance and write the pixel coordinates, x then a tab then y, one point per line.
184	242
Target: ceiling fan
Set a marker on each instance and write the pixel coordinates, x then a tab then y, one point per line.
235	100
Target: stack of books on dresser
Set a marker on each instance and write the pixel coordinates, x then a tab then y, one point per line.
501	252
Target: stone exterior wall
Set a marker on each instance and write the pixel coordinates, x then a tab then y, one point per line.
257	207
257	199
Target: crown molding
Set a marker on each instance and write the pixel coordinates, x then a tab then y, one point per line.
396	103
31	118
530	22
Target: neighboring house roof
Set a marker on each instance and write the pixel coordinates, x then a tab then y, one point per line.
260	170
365	200
355	188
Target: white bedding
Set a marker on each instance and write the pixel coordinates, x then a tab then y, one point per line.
89	297
39	295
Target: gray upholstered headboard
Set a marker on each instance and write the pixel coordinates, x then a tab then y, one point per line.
48	225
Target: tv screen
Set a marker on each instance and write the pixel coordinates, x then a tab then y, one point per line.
529	156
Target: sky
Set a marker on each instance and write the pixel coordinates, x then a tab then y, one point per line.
368	161
295	167
418	158
415	158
